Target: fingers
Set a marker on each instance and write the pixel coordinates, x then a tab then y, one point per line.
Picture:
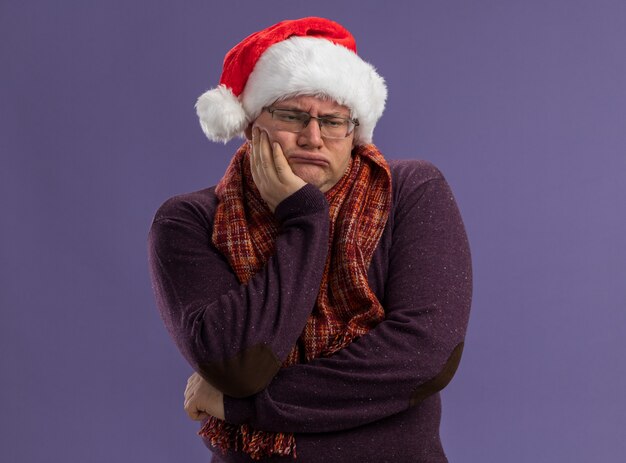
190	408
262	167
264	159
257	164
190	405
271	171
194	413
253	151
281	166
279	170
202	400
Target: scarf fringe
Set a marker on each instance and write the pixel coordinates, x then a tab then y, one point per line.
257	444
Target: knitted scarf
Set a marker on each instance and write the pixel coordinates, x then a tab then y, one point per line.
245	231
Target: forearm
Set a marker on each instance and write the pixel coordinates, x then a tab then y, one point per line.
237	335
409	356
393	367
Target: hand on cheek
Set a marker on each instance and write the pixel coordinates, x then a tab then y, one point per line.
270	170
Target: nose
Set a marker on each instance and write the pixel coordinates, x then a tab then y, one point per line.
311	135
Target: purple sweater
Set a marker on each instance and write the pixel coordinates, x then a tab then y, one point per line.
377	399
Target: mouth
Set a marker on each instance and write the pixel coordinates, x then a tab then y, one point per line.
302	158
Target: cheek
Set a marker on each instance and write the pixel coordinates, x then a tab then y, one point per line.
284	139
344	158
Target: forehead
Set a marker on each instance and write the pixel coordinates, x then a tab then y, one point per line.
314	103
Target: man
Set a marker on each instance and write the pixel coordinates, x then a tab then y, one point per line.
320	293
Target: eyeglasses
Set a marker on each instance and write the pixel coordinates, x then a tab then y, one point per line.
295	121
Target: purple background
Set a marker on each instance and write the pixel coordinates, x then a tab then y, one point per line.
522	104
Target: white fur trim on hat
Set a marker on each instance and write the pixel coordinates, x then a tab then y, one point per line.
313	66
221	115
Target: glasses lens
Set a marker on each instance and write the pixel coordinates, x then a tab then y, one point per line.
334	127
289	121
295	121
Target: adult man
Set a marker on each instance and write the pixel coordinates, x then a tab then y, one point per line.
320	293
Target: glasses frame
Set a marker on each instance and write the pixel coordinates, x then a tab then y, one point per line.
352	123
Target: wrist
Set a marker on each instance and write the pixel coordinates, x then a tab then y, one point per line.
306	200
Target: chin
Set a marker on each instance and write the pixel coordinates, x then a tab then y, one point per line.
310	174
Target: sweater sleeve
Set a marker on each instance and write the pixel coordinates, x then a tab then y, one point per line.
236	336
410	355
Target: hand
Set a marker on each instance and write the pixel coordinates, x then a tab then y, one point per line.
270	170
202	400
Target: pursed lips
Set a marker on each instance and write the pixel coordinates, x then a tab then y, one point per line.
308	159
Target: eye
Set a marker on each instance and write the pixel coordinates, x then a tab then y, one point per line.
290	116
333	122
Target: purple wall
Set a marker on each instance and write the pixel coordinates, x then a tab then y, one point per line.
521	104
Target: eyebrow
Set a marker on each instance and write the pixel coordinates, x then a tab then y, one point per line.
300	110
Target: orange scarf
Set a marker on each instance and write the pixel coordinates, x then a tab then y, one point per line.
244	232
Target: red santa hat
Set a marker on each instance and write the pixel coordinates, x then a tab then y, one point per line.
308	56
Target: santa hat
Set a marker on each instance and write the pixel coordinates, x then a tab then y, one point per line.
308	56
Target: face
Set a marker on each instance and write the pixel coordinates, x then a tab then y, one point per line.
316	160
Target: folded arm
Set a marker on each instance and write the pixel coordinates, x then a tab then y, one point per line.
236	336
409	356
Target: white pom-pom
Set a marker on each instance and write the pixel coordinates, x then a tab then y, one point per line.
221	115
